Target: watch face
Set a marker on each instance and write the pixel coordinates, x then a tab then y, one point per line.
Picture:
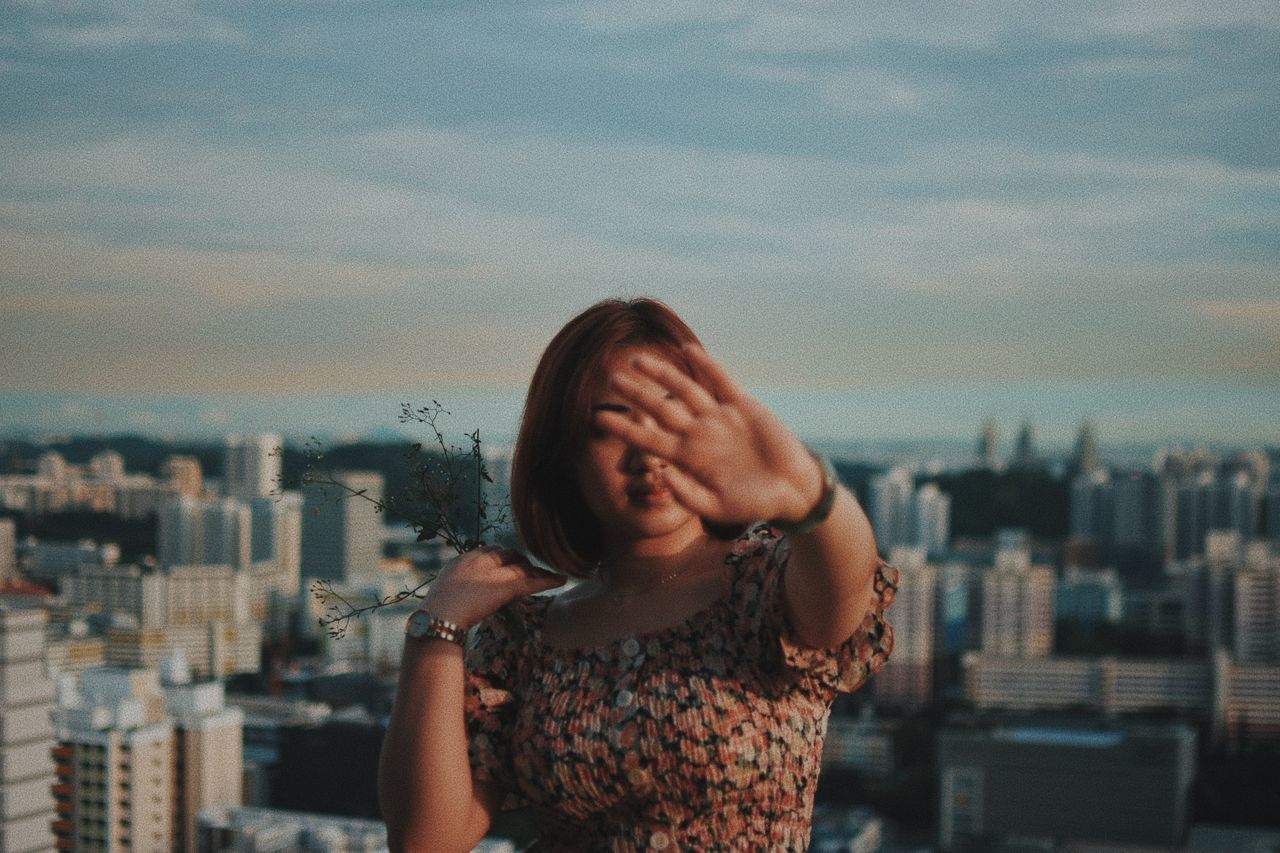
418	624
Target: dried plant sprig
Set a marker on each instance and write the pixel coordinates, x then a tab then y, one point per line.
432	505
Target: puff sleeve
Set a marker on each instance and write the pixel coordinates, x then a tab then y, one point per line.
761	564
489	702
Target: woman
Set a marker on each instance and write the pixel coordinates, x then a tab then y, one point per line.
677	697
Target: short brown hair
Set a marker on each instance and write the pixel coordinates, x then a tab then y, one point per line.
550	514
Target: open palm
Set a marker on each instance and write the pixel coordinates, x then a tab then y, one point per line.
729	459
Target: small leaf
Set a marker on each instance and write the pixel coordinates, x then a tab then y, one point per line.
428	533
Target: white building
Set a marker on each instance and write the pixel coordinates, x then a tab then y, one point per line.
8	550
1241	700
26	737
904	516
1017	606
260	830
191	531
115	759
342	531
908	678
932	519
252	467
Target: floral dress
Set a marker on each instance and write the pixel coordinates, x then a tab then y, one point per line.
706	735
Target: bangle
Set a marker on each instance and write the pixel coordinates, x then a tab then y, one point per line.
821	510
422	625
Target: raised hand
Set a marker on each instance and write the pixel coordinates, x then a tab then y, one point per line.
729	459
481	581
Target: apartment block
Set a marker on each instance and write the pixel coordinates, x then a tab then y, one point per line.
1017	606
115	762
908	679
27	813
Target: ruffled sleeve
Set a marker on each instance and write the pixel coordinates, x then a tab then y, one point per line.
489	705
760	562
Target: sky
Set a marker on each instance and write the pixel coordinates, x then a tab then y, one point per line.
886	219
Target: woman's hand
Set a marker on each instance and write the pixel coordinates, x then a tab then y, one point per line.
478	583
729	459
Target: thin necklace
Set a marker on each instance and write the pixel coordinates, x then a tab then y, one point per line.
620	596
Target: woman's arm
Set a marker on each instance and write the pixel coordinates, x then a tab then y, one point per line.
425	790
732	460
829	584
428	798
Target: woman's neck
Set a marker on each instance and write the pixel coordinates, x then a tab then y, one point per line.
644	562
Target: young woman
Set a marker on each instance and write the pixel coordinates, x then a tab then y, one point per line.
677	697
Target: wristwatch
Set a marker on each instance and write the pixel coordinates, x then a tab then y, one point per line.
422	625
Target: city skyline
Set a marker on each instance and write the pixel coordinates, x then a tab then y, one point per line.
894	224
1122	416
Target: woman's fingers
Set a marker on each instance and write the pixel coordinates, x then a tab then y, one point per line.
711	375
654	400
676	382
647	437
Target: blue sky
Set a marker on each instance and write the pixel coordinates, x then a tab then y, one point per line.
1009	204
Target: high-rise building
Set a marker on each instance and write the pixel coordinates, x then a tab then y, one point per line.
1256	616
8	550
986	451
277	535
252	468
932	519
1017	606
107	466
342	531
1272	523
183	476
958	598
1084	458
191	531
115	762
1089	598
1025	456
26	738
180	532
52	465
226	533
208	748
904	516
909	681
215	613
891	508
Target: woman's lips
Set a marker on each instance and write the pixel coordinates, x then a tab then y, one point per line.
649	493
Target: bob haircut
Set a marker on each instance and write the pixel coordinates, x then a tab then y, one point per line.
550	514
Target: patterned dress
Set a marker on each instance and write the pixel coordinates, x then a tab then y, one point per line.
706	735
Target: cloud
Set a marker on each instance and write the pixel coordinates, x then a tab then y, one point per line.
81	25
808	27
1110	67
1251	315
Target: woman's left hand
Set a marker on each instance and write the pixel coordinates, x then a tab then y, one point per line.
728	458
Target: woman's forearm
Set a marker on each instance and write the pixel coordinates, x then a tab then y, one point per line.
425	788
831	575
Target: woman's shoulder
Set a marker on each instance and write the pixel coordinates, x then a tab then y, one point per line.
509	627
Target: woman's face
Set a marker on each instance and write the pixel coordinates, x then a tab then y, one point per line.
624	487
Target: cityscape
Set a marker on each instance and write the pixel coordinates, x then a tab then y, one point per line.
1011	267
1090	655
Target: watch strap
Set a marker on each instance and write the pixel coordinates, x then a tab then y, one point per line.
821	510
423	624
